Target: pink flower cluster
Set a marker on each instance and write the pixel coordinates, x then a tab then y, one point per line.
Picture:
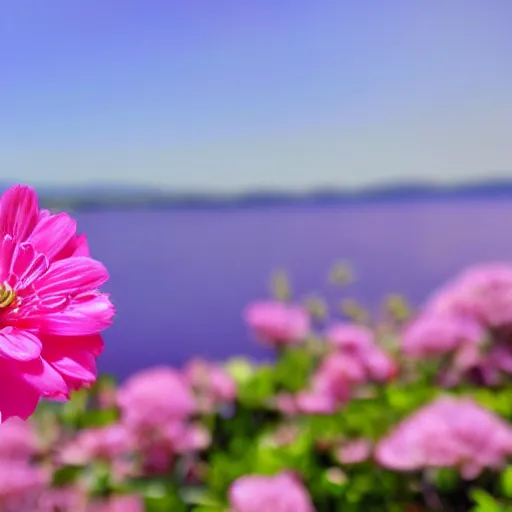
21	483
354	360
156	425
449	432
25	482
279	493
469	320
51	311
212	386
156	407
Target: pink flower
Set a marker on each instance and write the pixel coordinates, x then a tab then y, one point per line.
18	440
354	451
126	503
350	338
63	499
279	493
482	292
362	355
316	401
449	432
212	385
356	360
155	397
21	486
337	374
277	323
105	443
435	334
189	438
51	311
159	450
286	403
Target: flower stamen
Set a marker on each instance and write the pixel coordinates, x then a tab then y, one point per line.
7	295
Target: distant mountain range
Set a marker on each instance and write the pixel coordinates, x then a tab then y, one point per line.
99	197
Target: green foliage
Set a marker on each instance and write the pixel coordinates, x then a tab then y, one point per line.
251	434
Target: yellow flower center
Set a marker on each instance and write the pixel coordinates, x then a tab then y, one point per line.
7	296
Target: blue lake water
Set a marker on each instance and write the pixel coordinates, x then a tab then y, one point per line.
180	278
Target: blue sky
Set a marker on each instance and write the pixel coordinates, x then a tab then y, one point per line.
229	95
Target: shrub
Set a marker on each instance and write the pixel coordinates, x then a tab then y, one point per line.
359	411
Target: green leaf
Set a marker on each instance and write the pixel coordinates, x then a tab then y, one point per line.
293	369
506	482
239	369
98	418
66	475
484	502
164	503
446	479
259	388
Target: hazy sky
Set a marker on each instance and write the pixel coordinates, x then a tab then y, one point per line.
230	94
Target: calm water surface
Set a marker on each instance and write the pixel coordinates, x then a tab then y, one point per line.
180	278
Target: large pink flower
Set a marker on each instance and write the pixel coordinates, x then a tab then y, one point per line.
449	432
435	334
279	493
51	311
482	292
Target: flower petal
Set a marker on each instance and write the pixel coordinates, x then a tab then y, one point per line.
82	246
53	234
17	397
7	249
80	318
18	212
19	344
72	276
27	266
79	365
61	344
43	377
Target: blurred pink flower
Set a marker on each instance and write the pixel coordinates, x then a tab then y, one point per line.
21	485
189	437
279	493
50	308
155	397
449	432
278	323
285	435
351	338
286	403
356	360
159	451
482	292
62	499
354	451
358	346
337	374
316	402
18	440
105	443
211	383
121	503
435	334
